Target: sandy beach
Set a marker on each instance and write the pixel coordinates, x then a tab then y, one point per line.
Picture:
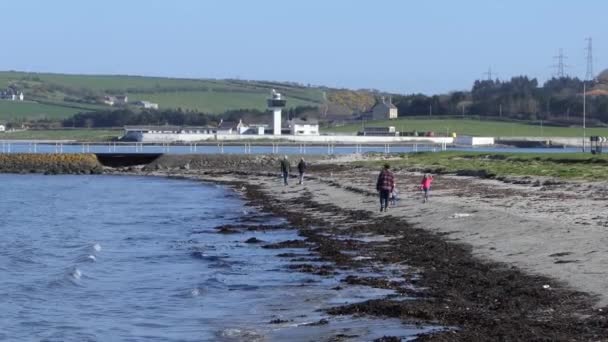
515	259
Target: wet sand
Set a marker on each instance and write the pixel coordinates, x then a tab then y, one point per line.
493	259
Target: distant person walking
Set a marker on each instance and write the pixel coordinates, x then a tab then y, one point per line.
301	169
285	169
425	186
385	185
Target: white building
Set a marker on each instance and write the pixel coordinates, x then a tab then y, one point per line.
12	95
304	127
116	100
384	110
276	104
146	104
168	133
228	127
2	128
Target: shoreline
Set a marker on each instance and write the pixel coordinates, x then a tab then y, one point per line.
490	259
457	287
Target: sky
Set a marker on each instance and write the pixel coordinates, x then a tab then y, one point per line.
400	46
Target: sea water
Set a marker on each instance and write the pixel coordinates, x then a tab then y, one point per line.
122	258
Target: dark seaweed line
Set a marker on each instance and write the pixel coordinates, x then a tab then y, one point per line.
485	300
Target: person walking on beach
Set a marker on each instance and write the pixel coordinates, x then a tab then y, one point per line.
425	186
385	185
301	170
285	169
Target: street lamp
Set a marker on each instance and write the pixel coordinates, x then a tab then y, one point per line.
584	113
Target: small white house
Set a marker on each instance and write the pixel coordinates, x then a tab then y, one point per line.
146	104
116	100
304	127
229	127
2	128
21	97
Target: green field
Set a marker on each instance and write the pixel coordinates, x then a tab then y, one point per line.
212	102
473	127
558	165
14	110
205	95
68	134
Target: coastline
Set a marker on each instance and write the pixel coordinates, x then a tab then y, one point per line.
489	259
454	282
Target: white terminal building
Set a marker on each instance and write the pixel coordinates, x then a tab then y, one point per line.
227	130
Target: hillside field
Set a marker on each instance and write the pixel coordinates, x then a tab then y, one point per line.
14	110
203	95
472	127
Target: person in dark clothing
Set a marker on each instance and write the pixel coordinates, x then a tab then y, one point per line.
385	185
285	169
301	169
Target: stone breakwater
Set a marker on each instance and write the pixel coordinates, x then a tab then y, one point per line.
92	164
50	163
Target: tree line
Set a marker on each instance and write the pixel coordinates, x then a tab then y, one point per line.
559	100
178	117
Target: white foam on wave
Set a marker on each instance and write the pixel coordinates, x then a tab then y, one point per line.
97	247
92	257
195	292
76	274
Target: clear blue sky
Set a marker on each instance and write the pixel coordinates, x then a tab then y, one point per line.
393	45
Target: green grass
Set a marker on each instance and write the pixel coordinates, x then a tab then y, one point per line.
562	165
103	82
474	127
205	95
71	134
212	102
11	110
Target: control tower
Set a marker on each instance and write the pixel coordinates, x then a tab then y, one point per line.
276	104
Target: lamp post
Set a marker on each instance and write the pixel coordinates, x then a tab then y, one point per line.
584	114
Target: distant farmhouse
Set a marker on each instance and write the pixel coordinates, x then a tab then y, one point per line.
11	95
118	100
146	104
383	110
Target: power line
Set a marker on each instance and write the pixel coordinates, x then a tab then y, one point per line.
589	75
489	74
560	66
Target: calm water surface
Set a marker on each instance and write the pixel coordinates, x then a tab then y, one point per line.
111	258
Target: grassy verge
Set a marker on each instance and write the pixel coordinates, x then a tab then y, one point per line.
496	165
473	127
72	134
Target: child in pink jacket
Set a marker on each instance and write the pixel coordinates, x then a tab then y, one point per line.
425	186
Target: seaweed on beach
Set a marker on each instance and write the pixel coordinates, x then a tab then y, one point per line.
484	300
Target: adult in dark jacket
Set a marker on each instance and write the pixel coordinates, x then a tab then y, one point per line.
301	169
385	186
285	169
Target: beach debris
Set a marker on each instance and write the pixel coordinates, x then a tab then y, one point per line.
460	215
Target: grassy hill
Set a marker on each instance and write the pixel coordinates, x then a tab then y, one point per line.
14	110
204	95
472	127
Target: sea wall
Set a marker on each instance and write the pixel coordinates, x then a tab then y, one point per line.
50	163
542	141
